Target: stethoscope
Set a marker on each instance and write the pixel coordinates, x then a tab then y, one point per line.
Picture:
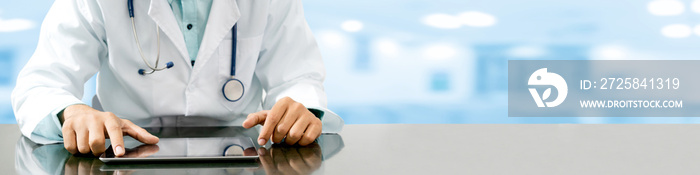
233	150
233	88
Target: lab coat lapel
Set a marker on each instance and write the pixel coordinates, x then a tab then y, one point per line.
161	13
222	17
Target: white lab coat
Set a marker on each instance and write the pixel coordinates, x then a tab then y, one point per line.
276	53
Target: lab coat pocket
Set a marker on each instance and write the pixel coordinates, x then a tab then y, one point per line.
247	52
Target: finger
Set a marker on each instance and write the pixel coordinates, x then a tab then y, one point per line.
116	138
125	172
279	155
297	131
95	167
71	166
310	151
138	133
97	139
69	140
311	154
84	166
266	160
314	162
254	119
294	112
283	126
311	133
273	117
250	152
149	150
296	162
143	151
82	141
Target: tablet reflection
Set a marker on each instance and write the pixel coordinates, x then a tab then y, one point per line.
32	158
187	147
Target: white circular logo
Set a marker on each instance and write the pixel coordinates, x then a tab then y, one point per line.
542	77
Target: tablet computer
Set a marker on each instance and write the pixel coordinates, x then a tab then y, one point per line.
188	145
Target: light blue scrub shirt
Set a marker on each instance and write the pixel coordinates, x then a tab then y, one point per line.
192	17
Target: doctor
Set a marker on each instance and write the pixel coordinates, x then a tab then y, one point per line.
215	58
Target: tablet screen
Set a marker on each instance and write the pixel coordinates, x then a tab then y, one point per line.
186	149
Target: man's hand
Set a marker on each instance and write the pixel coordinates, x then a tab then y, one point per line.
84	131
291	159
82	166
289	119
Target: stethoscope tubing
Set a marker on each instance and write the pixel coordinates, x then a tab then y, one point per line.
234	37
233	50
130	6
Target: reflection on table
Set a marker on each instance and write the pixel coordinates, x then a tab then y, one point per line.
32	158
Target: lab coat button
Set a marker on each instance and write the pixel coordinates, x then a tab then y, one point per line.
189	26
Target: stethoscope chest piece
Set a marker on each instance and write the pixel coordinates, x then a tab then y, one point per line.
233	90
233	150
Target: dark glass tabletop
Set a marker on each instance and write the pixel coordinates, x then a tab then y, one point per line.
420	149
32	158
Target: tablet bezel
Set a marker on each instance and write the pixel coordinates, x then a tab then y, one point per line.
186	132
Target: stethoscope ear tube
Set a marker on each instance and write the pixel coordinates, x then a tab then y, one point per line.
168	65
235	89
130	5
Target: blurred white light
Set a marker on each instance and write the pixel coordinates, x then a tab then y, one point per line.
527	52
443	21
666	7
695	6
387	47
439	52
696	30
477	19
15	25
352	26
332	39
610	52
676	31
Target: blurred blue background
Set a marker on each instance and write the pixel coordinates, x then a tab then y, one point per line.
439	61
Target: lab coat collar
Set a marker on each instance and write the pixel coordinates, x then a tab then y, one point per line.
162	14
222	17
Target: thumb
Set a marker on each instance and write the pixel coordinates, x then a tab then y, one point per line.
139	133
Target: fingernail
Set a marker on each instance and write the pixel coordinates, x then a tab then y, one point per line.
261	141
119	151
261	152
